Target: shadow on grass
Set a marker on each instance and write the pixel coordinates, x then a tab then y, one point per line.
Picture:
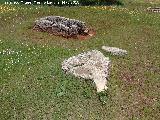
103	97
102	2
111	3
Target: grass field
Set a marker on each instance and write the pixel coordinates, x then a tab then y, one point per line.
33	86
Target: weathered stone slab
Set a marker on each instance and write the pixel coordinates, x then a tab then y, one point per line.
91	65
61	26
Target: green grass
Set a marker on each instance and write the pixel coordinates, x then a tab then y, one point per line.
3	1
33	86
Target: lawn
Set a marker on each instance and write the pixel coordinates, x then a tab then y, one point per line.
33	85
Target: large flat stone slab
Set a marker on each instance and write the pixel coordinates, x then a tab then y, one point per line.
92	65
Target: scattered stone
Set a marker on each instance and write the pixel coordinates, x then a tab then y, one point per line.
58	25
154	9
114	50
89	65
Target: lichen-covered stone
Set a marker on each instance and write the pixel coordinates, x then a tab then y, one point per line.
64	26
89	65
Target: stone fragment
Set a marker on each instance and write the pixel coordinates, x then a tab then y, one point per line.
114	50
154	9
91	65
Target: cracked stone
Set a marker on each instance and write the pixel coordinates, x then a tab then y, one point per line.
92	65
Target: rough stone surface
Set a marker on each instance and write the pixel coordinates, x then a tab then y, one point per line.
114	50
89	65
154	9
61	26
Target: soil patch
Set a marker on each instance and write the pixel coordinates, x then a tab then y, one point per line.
90	34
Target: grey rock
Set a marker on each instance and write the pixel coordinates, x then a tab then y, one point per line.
154	9
61	24
114	50
91	65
